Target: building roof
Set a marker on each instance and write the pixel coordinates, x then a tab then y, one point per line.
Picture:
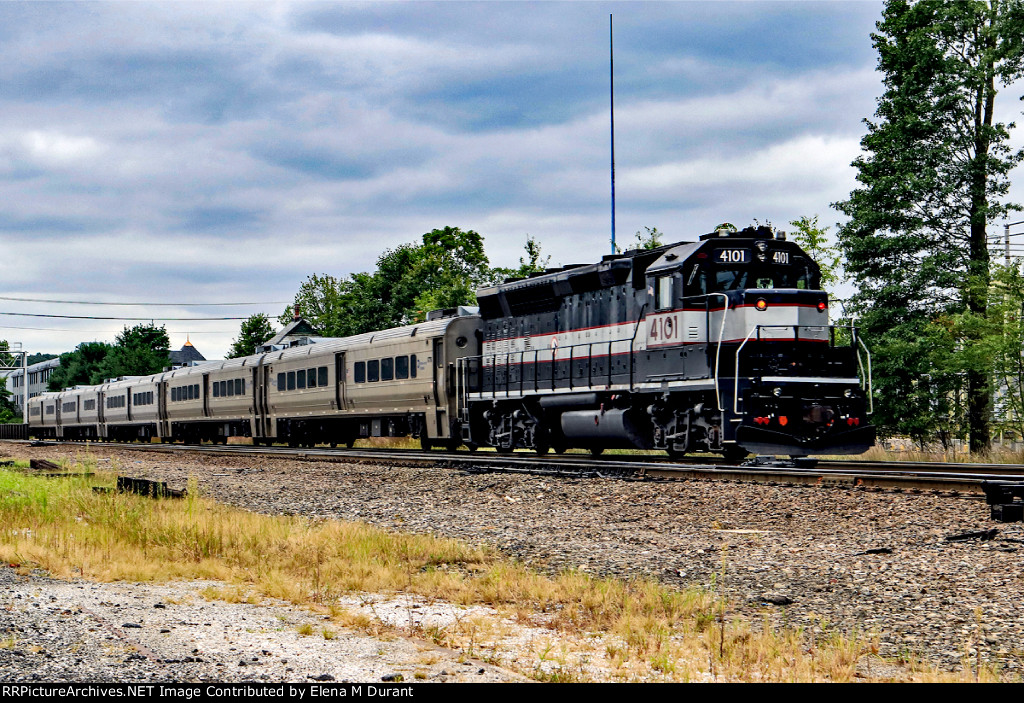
186	355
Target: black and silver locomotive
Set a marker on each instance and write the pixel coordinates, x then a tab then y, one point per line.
720	345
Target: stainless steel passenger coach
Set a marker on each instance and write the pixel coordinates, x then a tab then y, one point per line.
720	345
390	383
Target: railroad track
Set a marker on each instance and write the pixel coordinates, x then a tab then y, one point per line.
953	479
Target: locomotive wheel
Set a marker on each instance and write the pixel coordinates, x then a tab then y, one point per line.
425	443
350	443
675	454
541	449
504	450
596	451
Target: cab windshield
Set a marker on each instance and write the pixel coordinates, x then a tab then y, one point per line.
701	280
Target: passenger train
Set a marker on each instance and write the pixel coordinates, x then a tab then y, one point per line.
719	345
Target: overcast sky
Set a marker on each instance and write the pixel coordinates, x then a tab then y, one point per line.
214	153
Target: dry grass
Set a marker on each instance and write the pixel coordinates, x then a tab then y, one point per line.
994	456
635	630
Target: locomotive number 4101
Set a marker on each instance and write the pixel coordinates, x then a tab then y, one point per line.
664	328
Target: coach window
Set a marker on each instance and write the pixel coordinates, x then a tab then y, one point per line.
373	371
401	367
412	365
216	390
359	372
311	378
280	382
230	388
239	386
387	369
300	379
321	376
291	380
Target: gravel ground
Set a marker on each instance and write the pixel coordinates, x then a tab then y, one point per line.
798	555
59	631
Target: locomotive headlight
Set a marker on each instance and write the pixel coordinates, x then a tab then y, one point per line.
777	392
761	304
848	393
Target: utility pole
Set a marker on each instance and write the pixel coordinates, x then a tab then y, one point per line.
14	350
1006	238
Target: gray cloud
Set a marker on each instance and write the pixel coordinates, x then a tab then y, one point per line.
223	151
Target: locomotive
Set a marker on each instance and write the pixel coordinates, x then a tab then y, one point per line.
719	345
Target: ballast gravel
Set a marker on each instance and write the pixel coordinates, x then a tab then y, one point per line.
826	559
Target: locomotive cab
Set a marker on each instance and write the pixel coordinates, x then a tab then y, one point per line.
786	381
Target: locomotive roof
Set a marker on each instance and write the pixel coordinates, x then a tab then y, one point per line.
540	290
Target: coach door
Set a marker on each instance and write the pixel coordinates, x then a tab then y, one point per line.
440	393
260	388
161	409
340	402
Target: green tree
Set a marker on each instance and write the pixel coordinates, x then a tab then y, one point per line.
450	266
254	331
532	262
80	366
813	238
933	175
442	271
138	351
39	358
649	238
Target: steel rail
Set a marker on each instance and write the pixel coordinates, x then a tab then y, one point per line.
914	476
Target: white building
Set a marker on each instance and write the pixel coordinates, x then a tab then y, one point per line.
38	377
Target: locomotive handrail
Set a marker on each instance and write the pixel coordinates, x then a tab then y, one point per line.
736	375
507	363
870	389
721	336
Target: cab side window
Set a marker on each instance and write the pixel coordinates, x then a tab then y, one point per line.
663	292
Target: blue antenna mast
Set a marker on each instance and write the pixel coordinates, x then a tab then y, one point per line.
611	70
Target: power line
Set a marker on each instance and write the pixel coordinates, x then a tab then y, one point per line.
183	305
127	319
109	330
